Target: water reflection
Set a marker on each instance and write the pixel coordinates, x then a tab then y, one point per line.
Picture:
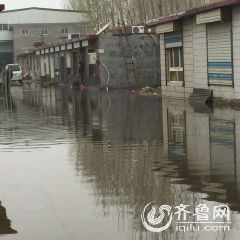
207	146
128	150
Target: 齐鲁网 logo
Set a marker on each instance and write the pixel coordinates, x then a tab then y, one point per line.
153	223
159	218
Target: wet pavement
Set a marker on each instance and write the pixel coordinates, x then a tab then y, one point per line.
83	164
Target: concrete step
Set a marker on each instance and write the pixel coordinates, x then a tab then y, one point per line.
201	95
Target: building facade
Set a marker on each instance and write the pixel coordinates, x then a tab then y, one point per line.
21	29
110	60
199	53
200	49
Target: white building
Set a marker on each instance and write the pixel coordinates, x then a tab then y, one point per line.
21	28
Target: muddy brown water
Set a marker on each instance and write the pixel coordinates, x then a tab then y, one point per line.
83	165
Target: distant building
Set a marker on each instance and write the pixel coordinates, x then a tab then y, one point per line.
21	29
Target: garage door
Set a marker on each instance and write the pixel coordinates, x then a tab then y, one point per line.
220	54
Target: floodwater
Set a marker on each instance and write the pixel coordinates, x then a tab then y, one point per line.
83	164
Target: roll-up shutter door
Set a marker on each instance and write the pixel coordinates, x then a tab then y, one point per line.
166	27
209	16
173	40
220	54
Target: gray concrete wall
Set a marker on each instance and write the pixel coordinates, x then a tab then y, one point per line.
145	51
236	52
23	43
200	55
163	61
188	56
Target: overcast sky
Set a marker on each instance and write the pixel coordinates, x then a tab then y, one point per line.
16	4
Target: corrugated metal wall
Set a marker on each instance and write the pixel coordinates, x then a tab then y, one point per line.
220	53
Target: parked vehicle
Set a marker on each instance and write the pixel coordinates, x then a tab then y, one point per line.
15	73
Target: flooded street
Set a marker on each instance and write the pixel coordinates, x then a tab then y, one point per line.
83	164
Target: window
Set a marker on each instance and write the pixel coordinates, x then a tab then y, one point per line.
25	32
174	56
4	27
44	31
64	31
15	68
175	64
176	128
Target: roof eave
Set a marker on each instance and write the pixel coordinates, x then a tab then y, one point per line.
193	12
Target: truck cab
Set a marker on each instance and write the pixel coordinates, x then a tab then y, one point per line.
15	73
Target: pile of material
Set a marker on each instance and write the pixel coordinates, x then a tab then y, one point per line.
149	91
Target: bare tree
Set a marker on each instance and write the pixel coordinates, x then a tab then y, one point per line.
129	12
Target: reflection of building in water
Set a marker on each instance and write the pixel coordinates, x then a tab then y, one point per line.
81	111
222	148
5	223
49	100
118	162
206	145
42	116
117	115
176	135
118	150
7	103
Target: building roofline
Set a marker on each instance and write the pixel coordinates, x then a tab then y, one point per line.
39	8
64	42
191	12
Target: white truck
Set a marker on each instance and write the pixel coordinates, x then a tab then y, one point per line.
15	72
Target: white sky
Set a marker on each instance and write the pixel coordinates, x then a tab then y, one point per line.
16	4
